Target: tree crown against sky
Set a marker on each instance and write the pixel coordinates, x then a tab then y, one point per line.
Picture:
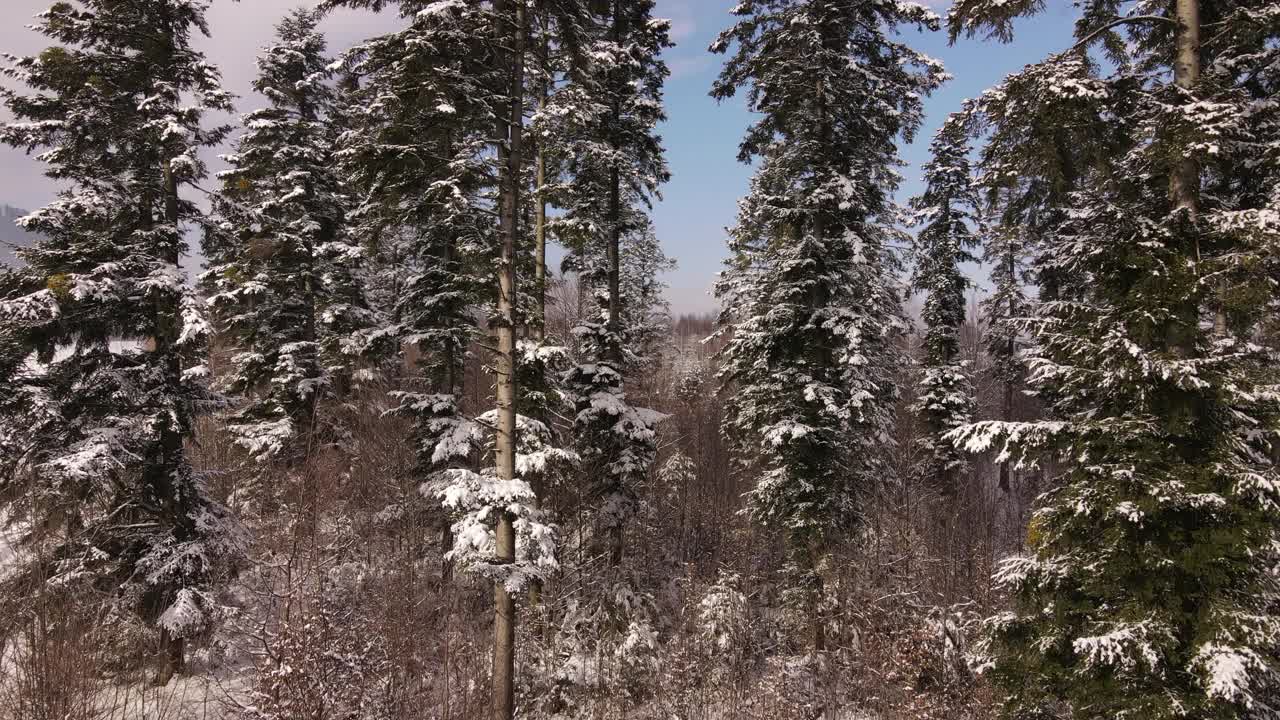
701	200
432	443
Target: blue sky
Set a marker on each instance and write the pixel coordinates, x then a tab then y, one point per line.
701	136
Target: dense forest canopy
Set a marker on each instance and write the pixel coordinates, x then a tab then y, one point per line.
389	454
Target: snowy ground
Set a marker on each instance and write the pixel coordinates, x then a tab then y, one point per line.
213	688
8	544
7	552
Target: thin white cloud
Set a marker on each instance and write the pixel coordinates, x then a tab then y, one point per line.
686	66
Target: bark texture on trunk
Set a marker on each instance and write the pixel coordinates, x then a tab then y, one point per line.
511	12
1184	181
816	558
172	657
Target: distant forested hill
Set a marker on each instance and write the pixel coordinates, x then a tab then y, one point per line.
11	235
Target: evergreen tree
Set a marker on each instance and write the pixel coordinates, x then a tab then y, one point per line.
600	161
1057	142
421	114
946	213
444	93
616	170
101	482
18	334
281	263
558	31
1005	251
509	32
1149	591
810	296
646	314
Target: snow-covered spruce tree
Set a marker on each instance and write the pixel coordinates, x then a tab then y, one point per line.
1149	591
280	260
420	112
617	167
508	31
810	293
463	67
543	404
946	213
102	487
15	348
1059	142
607	648
601	164
1004	251
646	313
557	33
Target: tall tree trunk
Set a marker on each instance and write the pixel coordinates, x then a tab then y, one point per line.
1006	410
815	550
615	206
540	210
614	255
540	268
161	468
309	334
448	385
822	359
1184	181
166	309
172	657
509	154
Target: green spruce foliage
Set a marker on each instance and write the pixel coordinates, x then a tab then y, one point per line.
1148	590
